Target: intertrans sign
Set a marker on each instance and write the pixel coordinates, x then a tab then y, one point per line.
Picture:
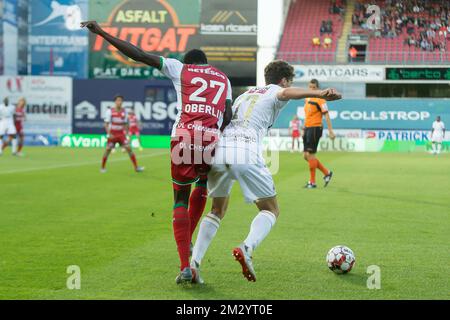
418	74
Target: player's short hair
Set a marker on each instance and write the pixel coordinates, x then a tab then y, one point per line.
195	56
315	82
117	96
277	70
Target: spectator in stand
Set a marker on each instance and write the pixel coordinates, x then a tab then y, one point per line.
327	42
316	41
323	28
353	53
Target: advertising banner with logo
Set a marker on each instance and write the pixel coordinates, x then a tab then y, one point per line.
356	145
376	114
162	27
1	37
58	45
154	102
339	73
99	141
412	73
228	32
10	35
225	29
49	102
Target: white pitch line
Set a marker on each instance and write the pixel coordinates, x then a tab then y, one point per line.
79	164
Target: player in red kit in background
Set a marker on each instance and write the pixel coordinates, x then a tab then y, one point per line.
204	105
116	125
19	119
134	127
294	130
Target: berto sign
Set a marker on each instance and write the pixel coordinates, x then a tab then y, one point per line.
418	74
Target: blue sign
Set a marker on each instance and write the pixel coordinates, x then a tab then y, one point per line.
154	103
376	114
58	45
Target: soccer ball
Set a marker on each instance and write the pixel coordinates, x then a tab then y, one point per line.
340	259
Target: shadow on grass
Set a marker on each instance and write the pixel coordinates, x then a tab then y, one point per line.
354	279
204	292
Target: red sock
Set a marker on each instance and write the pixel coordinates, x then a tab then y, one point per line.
197	203
104	161
133	159
4	145
20	147
322	168
312	170
181	230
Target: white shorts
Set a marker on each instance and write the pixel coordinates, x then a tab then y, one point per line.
7	128
437	138
255	180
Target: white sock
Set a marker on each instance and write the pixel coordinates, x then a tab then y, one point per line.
433	147
260	228
439	148
208	229
1	146
14	145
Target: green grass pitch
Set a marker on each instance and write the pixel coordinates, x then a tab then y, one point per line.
57	210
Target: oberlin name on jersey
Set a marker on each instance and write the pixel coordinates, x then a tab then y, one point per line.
202	108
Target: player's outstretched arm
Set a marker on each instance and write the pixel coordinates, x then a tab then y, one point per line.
126	48
294	93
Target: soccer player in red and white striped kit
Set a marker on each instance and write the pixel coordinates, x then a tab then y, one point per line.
116	126
204	105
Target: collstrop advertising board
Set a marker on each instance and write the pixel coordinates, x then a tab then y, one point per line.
58	45
49	102
154	102
376	114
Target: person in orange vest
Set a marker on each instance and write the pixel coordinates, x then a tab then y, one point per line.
352	53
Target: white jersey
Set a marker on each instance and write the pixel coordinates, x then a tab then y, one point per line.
438	128
438	132
7	113
172	69
7	120
254	112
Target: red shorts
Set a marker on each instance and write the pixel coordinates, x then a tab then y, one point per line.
133	131
19	128
120	139
189	162
295	134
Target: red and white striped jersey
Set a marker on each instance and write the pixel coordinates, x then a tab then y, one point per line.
201	91
133	121
118	120
19	115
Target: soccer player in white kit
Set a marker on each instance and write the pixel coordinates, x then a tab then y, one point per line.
437	135
238	156
7	126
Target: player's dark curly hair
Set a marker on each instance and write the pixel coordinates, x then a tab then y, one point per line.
277	70
195	56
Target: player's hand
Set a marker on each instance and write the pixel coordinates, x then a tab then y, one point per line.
92	25
331	135
331	94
